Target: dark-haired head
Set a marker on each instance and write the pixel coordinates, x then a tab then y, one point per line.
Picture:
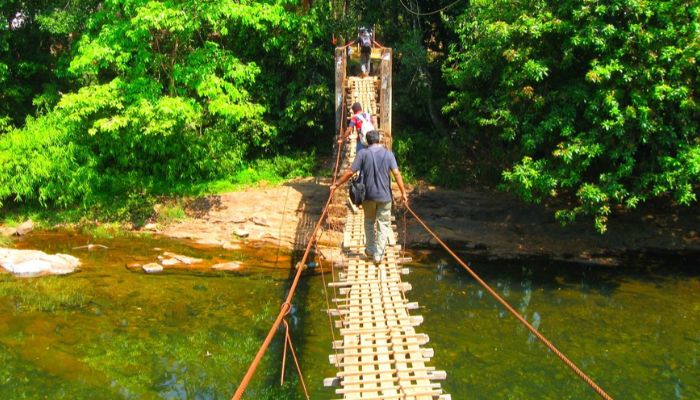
372	137
357	107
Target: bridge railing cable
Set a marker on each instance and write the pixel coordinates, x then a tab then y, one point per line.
512	310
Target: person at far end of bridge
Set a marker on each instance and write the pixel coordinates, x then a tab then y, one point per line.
374	164
364	39
363	122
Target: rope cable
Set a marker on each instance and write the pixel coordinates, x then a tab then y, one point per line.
517	315
288	340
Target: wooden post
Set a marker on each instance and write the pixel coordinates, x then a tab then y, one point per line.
385	96
340	68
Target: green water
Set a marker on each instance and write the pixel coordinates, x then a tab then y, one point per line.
189	334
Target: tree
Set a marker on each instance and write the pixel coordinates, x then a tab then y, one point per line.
170	92
595	100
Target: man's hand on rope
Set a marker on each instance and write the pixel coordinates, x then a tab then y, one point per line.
404	199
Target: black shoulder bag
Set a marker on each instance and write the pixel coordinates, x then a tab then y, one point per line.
357	190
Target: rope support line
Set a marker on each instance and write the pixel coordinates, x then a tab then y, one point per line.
288	342
287	305
517	315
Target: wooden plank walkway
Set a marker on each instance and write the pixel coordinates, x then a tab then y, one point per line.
380	355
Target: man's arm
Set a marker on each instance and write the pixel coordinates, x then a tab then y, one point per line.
399	181
348	173
346	135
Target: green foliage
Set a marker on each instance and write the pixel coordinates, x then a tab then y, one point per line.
168	94
35	42
592	105
423	155
170	213
42	163
594	100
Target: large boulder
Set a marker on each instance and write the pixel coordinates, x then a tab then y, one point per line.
36	263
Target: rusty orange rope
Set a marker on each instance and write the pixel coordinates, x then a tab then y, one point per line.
287	305
519	317
288	340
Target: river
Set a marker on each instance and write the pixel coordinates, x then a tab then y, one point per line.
108	332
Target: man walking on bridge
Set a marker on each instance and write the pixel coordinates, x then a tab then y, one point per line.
361	121
374	164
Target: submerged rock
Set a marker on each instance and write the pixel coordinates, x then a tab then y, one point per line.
229	266
26	227
230	246
133	265
152	268
209	242
91	247
36	263
182	259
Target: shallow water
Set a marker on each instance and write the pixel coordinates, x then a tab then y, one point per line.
191	334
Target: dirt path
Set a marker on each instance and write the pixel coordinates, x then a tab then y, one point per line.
483	222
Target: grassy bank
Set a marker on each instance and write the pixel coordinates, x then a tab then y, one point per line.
136	202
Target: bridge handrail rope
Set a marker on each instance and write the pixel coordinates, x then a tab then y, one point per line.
517	315
287	305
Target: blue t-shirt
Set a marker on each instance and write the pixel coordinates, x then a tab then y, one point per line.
374	164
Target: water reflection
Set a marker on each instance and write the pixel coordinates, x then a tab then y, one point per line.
630	328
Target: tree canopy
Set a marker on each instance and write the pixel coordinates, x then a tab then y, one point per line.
596	99
590	106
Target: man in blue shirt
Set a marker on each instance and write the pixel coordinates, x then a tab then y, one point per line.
374	164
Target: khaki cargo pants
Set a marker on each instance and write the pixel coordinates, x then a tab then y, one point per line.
377	225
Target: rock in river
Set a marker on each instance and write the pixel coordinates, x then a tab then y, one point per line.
35	263
167	262
229	266
182	259
152	268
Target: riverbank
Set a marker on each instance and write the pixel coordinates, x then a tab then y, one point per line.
476	221
482	222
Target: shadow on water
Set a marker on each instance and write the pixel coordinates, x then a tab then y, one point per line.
303	308
553	275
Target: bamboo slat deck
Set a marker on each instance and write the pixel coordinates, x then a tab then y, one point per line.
380	355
